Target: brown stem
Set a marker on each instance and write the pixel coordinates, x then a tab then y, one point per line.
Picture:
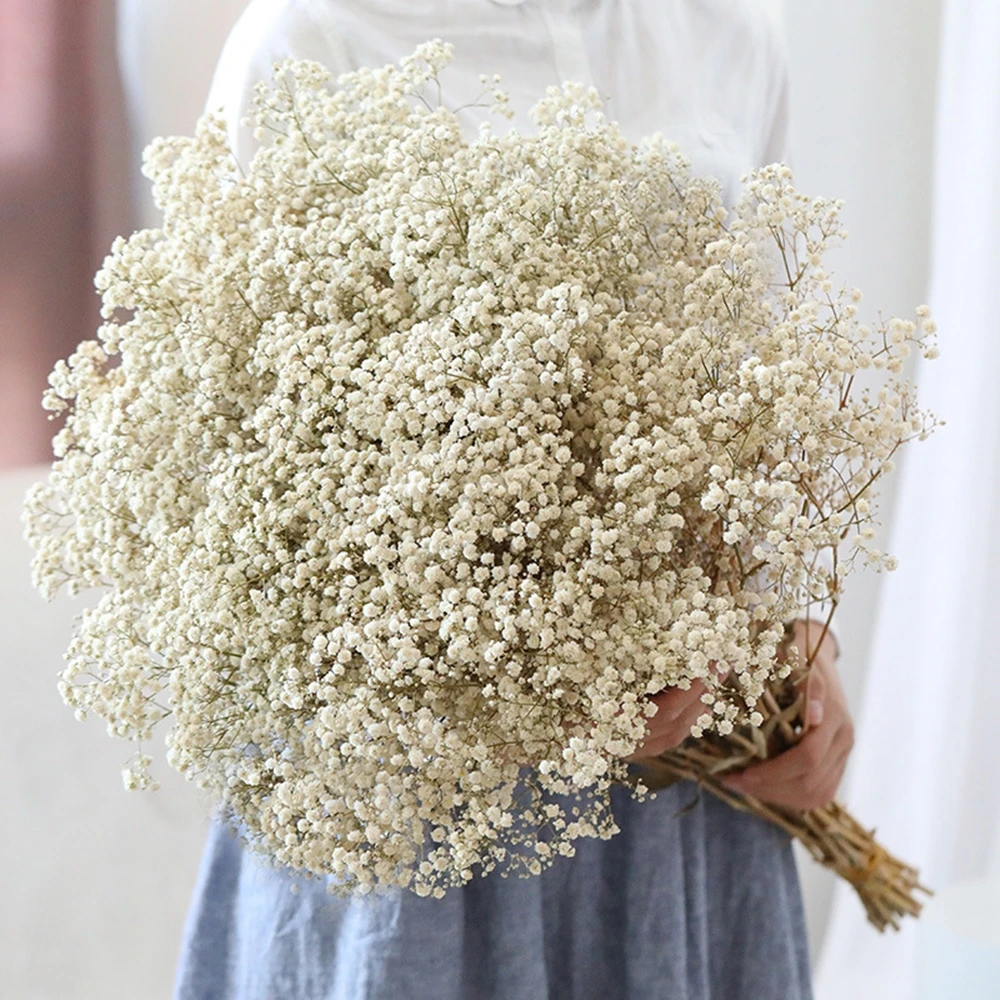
886	885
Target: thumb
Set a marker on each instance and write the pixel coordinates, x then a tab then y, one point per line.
815	685
815	692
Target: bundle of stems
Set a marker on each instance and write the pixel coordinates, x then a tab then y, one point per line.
886	885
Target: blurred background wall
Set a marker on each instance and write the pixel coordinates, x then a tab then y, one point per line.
97	881
63	169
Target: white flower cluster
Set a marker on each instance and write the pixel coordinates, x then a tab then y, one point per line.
425	460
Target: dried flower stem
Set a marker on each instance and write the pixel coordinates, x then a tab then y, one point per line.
886	885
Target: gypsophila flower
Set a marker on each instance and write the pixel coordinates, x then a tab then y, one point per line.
411	464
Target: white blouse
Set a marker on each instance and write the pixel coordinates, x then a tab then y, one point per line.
710	74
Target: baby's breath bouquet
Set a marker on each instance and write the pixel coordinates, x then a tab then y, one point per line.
411	465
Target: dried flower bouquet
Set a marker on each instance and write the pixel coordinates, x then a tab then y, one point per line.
407	460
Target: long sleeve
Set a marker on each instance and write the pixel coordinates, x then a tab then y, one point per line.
776	146
775	143
268	31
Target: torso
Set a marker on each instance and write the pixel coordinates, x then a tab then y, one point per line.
706	73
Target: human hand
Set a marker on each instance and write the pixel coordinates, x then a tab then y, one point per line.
677	711
807	775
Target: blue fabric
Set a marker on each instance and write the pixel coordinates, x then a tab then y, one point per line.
699	905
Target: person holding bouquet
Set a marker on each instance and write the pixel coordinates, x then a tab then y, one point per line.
692	899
